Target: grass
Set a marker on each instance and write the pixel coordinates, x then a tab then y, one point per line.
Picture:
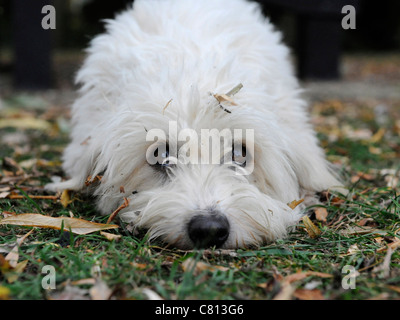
131	264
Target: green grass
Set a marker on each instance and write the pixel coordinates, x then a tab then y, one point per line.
131	264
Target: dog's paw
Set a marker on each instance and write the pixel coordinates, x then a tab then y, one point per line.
72	184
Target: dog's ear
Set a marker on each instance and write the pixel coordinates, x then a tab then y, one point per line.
314	173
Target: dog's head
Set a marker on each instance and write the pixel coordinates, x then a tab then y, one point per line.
201	175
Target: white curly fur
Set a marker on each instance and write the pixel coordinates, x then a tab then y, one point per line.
187	50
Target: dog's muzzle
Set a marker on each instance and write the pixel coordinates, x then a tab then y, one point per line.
208	230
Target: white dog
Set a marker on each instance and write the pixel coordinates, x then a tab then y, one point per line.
164	67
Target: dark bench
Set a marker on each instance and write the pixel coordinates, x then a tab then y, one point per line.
318	35
32	45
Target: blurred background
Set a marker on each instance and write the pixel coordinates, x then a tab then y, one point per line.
33	58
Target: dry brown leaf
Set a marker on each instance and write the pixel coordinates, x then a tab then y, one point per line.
4	264
394	288
86	281
110	236
378	136
13	256
4	194
4	293
139	266
25	123
77	226
224	98
353	249
393	245
312	230
321	214
304	294
286	292
362	230
198	266
295	203
69	293
100	291
13	274
65	198
151	295
302	275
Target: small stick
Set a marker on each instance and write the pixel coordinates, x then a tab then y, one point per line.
235	90
114	214
17	196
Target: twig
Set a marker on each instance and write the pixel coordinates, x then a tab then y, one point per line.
166	106
235	90
114	214
17	196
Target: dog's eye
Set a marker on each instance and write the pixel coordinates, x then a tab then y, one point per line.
162	156
239	155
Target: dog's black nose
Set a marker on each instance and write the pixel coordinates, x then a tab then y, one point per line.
208	230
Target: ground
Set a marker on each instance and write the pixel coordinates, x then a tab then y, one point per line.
354	256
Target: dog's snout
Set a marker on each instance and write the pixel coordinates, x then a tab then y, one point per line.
208	230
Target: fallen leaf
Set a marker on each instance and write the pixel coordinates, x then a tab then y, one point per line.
393	245
100	291
139	266
151	295
4	194
353	249
394	288
321	214
4	264
77	226
4	293
295	203
25	123
85	281
365	221
384	268
13	256
110	236
302	275
362	230
13	274
198	266
70	293
304	294
286	292
311	228
378	136
65	198
224	98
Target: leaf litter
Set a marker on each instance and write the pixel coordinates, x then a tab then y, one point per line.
347	131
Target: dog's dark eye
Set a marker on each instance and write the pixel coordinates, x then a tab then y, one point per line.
239	155
162	156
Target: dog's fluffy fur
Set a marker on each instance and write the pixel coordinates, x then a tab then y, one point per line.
188	50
